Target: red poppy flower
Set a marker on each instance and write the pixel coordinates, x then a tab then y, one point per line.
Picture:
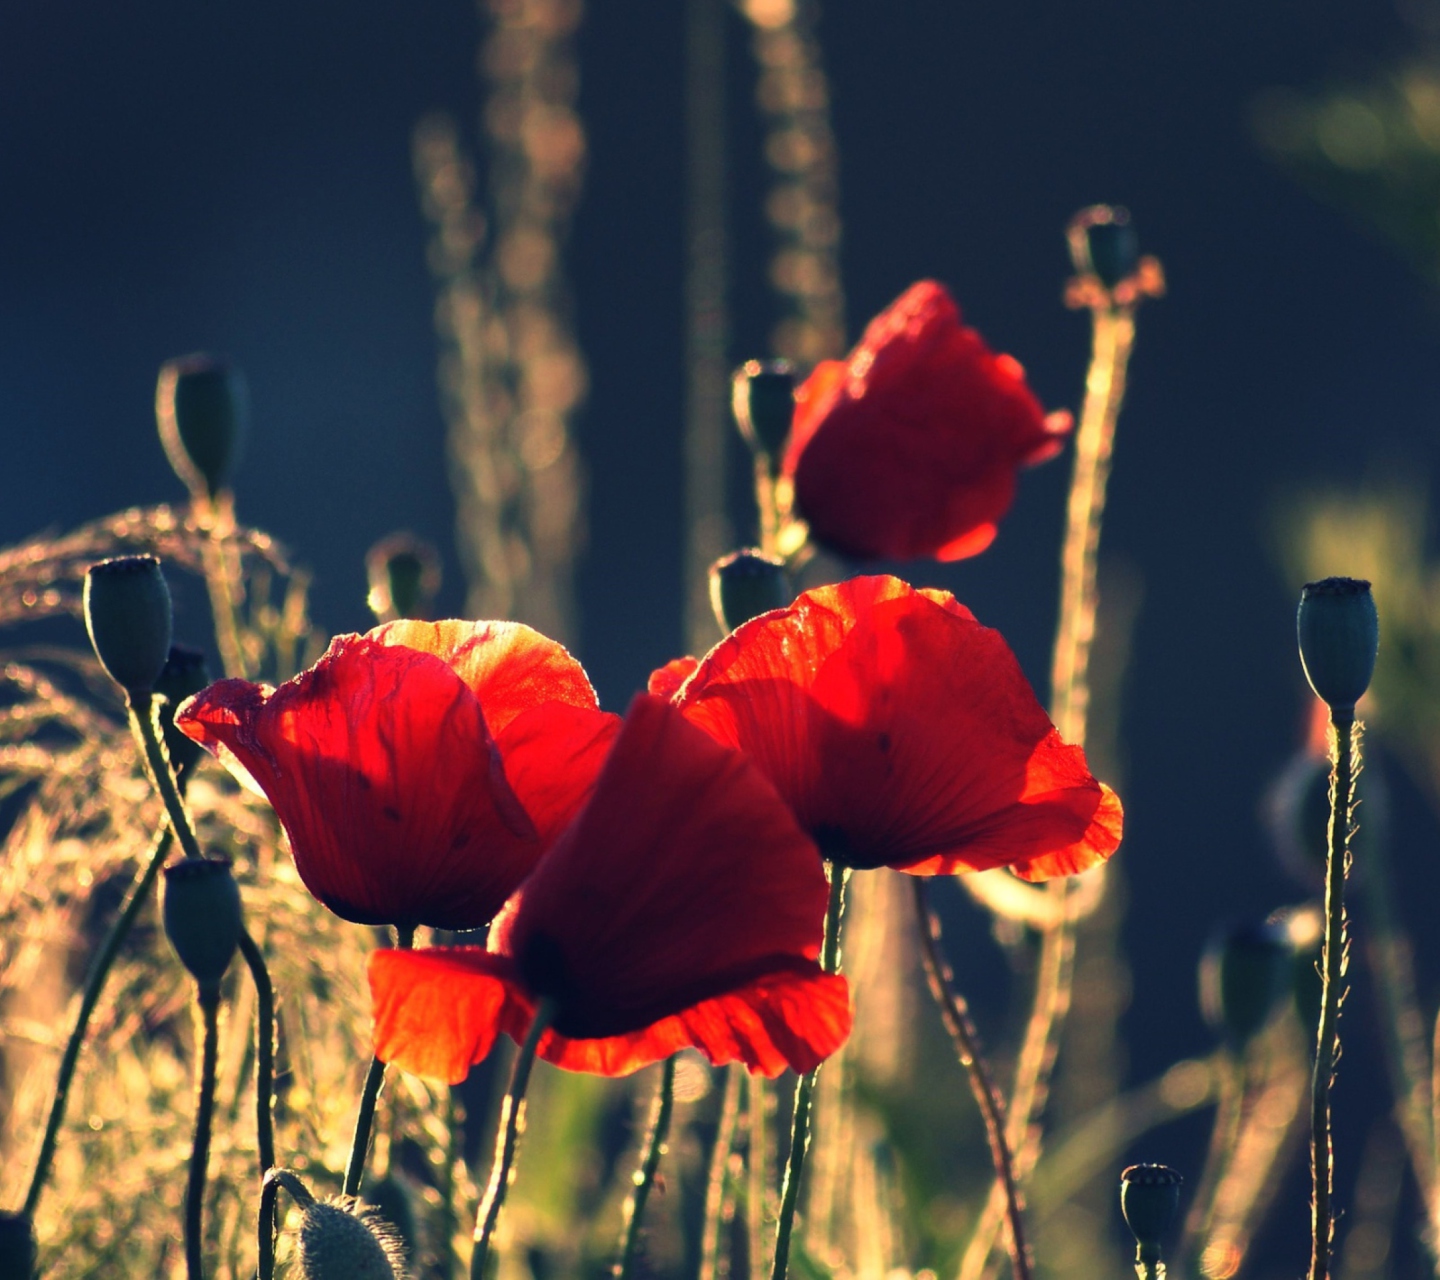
419	770
909	448
903	734
683	907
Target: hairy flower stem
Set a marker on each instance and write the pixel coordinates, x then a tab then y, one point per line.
956	1016
216	519
1332	968
90	997
758	1165
369	1096
209	1000
507	1139
264	1051
805	1090
645	1176
145	725
719	1173
270	1186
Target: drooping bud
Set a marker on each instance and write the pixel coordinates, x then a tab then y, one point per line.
1149	1199
184	673
128	616
338	1242
404	574
745	584
763	401
1339	634
203	918
17	1247
1114	249
202	407
1243	975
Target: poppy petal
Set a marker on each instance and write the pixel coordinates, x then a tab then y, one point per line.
665	681
508	666
553	753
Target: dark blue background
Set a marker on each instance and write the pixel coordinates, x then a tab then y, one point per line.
236	177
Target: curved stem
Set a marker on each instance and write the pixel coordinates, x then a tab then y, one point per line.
654	1149
1332	965
144	712
270	1186
94	984
716	1183
264	1051
209	999
369	1096
805	1090
507	1139
956	1016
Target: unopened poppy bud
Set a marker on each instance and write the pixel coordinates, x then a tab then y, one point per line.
202	917
1114	249
338	1243
184	673
1149	1199
128	615
202	408
404	574
745	584
1243	974
763	401
17	1247
392	1203
1339	633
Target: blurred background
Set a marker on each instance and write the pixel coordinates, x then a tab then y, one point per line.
240	179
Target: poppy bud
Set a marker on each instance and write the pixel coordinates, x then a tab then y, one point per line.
127	613
1339	633
202	917
745	584
17	1247
203	410
336	1243
390	1202
1243	974
404	574
1149	1199
1114	249
763	401
183	674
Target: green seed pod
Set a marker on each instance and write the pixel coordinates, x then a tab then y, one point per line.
1244	972
1339	633
184	673
202	917
202	408
339	1243
1149	1199
128	616
745	584
763	401
404	574
17	1247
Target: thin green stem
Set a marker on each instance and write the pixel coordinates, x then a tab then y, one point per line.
454	1153
270	1186
369	1096
1225	1135
758	1165
956	1016
645	1177
94	985
220	585
719	1173
144	714
1332	965
507	1139
264	1051
209	1000
805	1090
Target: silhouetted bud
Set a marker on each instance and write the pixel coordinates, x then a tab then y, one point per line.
1339	633
404	574
763	401
1114	249
1243	974
1149	1199
183	674
391	1202
127	613
340	1243
202	407
202	917
17	1247
745	584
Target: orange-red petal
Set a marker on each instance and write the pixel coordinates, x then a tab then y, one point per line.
553	754
665	681
904	734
